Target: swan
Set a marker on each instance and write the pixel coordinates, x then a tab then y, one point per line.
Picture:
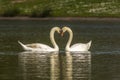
43	47
76	47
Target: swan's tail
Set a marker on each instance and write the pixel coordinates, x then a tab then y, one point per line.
89	44
23	46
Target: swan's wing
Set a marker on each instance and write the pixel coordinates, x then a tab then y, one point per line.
79	47
35	47
38	45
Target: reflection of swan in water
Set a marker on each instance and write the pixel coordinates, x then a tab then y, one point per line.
69	66
43	47
81	65
54	66
75	65
75	47
37	65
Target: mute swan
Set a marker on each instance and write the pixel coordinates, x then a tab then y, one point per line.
43	47
77	46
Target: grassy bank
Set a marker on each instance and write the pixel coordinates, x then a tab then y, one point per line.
60	8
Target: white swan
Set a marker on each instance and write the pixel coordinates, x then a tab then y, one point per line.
43	47
76	47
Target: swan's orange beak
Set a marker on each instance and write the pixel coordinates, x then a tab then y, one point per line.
62	33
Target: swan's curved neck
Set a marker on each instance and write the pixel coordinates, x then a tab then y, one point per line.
70	39
53	40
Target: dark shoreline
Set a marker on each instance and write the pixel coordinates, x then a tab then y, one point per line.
62	18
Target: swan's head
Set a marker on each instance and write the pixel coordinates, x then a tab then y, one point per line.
57	29
64	29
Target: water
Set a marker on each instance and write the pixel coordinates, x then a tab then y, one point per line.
101	63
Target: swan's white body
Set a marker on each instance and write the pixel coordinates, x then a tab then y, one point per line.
40	46
78	46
